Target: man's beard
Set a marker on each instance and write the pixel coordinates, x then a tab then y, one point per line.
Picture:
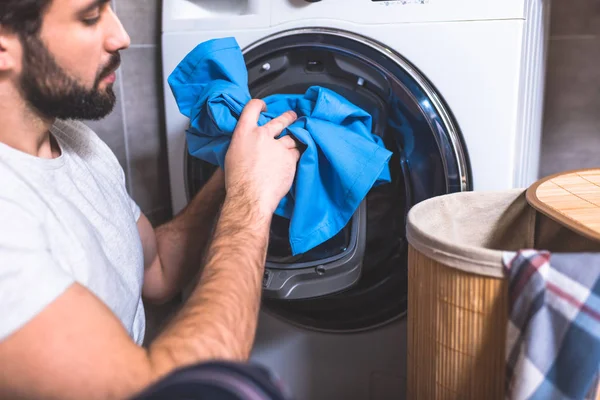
50	91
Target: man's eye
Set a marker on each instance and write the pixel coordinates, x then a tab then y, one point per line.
91	21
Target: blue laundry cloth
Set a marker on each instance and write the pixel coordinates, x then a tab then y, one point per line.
342	159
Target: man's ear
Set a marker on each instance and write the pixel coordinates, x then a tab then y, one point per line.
10	48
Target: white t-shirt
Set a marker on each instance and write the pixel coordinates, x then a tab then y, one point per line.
65	220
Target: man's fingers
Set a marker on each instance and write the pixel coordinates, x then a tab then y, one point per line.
250	114
292	145
277	125
296	154
288	142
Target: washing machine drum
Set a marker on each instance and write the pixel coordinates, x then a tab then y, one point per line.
358	279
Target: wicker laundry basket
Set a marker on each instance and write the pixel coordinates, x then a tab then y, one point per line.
457	305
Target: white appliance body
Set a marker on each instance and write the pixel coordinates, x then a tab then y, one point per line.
486	60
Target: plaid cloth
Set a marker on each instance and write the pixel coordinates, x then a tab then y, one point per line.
553	337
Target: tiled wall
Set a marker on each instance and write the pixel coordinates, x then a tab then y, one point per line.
135	129
572	118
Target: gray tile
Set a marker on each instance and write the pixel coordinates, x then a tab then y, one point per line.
571	137
574	17
141	19
573	76
560	160
110	128
573	143
145	128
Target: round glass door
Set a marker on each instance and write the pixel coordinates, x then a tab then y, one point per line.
429	159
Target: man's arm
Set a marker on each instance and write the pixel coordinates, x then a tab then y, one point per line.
222	315
173	253
76	348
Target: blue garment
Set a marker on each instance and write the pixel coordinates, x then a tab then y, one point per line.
342	160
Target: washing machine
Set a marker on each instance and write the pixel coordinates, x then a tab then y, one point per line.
455	89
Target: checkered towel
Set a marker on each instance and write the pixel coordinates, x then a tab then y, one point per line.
553	338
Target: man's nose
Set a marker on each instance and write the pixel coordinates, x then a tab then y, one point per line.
117	38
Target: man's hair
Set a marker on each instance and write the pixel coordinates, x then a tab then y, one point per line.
23	17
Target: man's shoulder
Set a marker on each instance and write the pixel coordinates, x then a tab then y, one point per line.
81	140
18	190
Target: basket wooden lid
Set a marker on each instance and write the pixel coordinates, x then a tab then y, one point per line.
571	198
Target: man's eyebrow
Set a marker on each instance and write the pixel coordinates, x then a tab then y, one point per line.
92	6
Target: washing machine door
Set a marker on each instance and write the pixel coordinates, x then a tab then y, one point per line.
429	159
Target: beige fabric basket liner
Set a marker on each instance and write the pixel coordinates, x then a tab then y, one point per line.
470	231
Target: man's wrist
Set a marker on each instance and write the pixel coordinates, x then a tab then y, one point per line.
217	182
249	212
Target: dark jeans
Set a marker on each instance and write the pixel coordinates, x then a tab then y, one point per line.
218	381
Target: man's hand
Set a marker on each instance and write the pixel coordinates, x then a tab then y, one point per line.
259	167
174	251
